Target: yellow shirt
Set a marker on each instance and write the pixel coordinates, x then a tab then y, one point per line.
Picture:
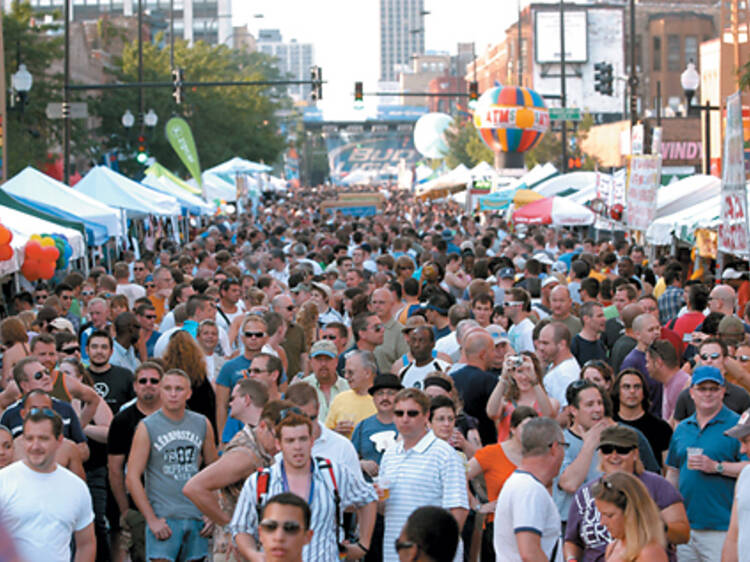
350	406
660	287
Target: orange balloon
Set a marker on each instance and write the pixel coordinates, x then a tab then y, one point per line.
47	270
50	253
29	269
6	252
5	235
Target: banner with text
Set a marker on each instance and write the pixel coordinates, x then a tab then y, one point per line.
644	178
733	224
181	138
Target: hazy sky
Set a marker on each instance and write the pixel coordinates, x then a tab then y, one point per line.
344	34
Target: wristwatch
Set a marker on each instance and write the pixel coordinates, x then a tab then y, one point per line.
719	468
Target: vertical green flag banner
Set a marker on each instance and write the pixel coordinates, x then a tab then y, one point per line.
181	138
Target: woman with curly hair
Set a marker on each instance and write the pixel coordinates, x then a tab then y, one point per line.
183	352
307	319
15	342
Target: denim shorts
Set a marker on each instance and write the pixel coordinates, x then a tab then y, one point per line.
184	544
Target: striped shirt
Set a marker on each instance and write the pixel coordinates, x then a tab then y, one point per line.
323	547
430	473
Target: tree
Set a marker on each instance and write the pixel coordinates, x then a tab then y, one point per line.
226	121
549	148
31	136
465	145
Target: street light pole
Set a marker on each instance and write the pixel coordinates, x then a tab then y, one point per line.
3	101
66	98
563	95
141	100
633	79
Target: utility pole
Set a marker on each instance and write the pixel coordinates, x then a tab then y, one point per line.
633	79
520	43
66	97
563	95
3	101
141	99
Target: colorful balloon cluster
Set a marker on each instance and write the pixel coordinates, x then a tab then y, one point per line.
6	237
43	254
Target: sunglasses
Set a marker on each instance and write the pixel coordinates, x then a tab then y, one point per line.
254	334
283	414
39	375
255	370
743	358
290	307
328	337
621	450
149	380
41	298
150	316
402	413
149	285
87	293
707	356
70	350
46	412
289	527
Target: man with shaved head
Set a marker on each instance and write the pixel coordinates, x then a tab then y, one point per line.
626	342
722	299
474	383
646	329
553	348
561	304
394	345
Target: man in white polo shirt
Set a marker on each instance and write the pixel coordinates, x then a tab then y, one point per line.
419	470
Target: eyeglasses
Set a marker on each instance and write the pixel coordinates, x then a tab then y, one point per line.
707	356
289	527
608	449
152	380
254	334
402	545
402	413
70	350
39	375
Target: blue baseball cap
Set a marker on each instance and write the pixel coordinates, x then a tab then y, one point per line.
707	373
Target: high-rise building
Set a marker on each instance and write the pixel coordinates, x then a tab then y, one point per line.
401	35
293	60
194	20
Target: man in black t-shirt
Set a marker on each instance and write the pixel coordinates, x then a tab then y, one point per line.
112	383
146	386
630	401
587	344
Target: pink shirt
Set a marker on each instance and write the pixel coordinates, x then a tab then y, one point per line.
672	390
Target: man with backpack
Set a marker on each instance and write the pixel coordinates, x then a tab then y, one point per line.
329	489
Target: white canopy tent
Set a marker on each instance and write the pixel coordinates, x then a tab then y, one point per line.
215	187
559	184
686	193
239	165
34	186
123	193
460	175
189	202
23	226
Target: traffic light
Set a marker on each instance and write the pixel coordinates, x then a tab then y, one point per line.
178	75
473	91
316	77
603	78
358	94
142	155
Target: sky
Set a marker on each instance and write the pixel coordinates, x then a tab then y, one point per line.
345	37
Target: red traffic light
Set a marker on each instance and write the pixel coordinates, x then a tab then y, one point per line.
141	139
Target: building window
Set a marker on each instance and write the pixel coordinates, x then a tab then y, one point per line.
657	54
691	49
674	54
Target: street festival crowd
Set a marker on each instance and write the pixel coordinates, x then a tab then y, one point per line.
421	385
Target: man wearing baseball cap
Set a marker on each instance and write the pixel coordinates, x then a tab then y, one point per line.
324	378
703	463
738	536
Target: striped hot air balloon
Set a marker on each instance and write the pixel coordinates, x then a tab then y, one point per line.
511	118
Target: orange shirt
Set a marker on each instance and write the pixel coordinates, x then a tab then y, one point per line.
160	304
497	468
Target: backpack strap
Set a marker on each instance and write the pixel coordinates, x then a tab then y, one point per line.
325	465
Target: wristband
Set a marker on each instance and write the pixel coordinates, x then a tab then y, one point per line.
360	545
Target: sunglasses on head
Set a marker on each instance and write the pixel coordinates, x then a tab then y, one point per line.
254	334
70	350
46	412
621	449
707	356
402	413
152	380
289	527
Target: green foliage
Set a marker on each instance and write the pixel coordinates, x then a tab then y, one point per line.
465	145
226	121
549	148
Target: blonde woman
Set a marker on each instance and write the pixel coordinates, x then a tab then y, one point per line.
519	385
632	518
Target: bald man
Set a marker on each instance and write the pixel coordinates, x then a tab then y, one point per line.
474	383
646	330
626	342
561	304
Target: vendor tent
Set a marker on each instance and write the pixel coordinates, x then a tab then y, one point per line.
686	193
160	171
23	225
557	211
566	184
215	187
189	203
123	193
227	170
51	196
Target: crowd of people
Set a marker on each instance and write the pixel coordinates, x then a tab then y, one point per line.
419	385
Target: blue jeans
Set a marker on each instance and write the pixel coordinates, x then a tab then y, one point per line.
184	544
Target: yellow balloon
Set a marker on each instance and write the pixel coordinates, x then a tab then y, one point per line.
47	241
36	237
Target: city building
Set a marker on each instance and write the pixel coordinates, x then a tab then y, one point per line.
294	60
416	77
401	35
194	20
